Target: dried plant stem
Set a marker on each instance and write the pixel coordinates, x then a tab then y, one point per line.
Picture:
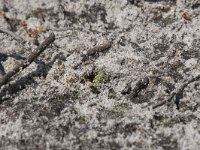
16	37
177	91
95	50
99	48
28	60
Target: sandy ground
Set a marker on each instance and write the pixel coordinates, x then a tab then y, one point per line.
68	99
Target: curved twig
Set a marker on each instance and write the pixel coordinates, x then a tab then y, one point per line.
16	37
5	79
177	91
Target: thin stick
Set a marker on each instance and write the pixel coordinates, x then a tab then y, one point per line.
16	37
177	91
95	50
99	48
63	29
28	60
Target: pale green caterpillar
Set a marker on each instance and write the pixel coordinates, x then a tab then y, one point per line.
98	77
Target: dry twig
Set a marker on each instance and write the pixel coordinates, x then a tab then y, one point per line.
95	50
28	60
16	37
99	48
176	92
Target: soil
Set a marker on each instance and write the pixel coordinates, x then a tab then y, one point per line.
95	86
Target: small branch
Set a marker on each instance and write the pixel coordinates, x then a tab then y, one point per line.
98	49
59	29
16	37
28	60
95	50
177	91
63	29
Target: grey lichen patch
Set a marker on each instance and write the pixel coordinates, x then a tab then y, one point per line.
94	13
165	142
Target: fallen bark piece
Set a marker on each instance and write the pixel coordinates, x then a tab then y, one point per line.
5	79
177	92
